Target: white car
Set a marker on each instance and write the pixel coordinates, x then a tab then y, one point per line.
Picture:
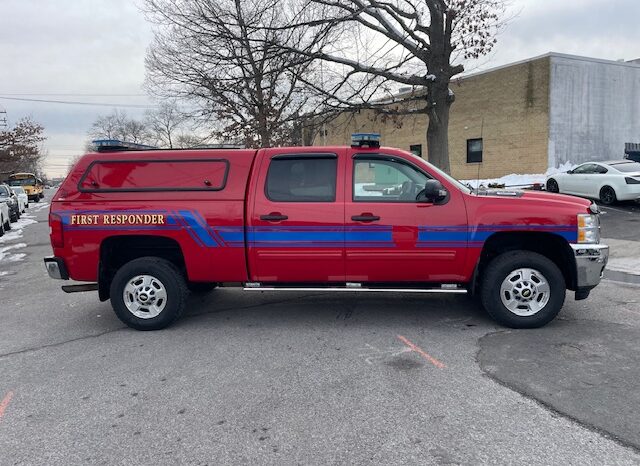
23	198
5	220
617	180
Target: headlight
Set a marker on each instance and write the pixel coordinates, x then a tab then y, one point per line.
588	228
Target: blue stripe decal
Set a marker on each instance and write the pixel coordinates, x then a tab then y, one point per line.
202	232
318	236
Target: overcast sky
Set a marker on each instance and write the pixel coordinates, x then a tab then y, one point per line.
93	51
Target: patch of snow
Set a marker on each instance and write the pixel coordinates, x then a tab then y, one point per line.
4	252
39	207
11	236
13	246
3	273
361	190
15	257
515	180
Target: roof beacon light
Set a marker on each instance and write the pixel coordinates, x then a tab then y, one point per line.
371	140
112	145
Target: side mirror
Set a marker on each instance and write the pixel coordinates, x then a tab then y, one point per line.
570	172
433	192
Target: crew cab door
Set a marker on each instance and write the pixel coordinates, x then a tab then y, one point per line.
295	229
390	236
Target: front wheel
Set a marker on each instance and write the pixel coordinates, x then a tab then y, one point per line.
608	195
148	293
522	289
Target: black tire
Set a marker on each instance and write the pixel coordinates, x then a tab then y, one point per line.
608	195
201	287
13	217
552	186
502	267
41	195
161	270
1	228
7	225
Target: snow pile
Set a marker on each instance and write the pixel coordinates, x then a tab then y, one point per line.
4	252
516	180
16	229
38	207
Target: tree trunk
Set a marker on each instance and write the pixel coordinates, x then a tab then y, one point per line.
438	135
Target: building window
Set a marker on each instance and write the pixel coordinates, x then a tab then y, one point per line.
416	149
474	150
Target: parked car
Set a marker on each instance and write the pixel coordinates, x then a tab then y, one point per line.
617	180
5	223
23	198
8	196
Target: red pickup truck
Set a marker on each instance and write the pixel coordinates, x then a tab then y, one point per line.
145	227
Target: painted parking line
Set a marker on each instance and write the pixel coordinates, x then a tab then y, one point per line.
4	403
421	352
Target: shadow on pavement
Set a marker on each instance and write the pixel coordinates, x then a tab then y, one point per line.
587	370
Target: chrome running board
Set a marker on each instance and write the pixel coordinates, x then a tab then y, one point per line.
448	288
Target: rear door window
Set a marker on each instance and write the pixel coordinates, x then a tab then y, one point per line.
302	179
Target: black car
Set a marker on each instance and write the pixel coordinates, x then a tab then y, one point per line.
632	152
9	197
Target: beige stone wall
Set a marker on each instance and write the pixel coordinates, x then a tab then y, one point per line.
508	107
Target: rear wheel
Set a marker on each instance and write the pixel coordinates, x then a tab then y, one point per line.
522	289
1	227
148	293
608	195
552	186
7	225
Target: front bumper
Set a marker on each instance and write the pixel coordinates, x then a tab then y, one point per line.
56	268
591	259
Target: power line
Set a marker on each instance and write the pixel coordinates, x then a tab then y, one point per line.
80	94
69	102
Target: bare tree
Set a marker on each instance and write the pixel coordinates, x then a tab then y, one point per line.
388	45
21	147
165	122
225	58
118	125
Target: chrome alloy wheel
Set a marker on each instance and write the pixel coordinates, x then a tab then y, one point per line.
145	296
525	292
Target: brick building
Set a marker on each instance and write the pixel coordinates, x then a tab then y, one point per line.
521	118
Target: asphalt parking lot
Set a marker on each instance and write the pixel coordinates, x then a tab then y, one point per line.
300	378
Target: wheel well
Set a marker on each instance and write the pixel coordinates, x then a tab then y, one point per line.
550	245
118	250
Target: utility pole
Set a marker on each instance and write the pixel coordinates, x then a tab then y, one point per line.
3	118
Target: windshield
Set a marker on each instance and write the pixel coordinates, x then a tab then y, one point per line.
461	186
4	191
629	167
23	182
